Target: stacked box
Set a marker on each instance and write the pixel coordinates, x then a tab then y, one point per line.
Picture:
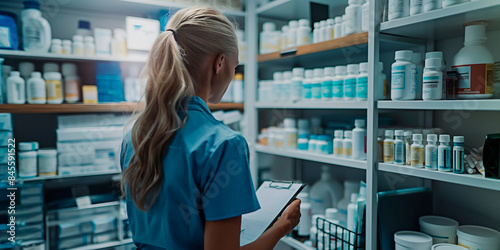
5	135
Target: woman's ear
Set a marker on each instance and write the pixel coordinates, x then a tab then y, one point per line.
219	60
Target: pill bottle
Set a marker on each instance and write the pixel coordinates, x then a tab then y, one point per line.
16	93
47	162
316	84
290	133
53	87
389	146
353	14
338	83
347	144
56	46
431	152
303	32
408	139
398	9
338	143
417	151
458	154
284	37
286	86
296	86
399	147
362	82
307	85
327	85
432	80
359	140
27	155
337	28
403	77
36	89
350	82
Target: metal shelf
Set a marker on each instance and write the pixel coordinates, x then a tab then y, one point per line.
304	155
313	105
473	180
295	243
21	54
471	105
104	245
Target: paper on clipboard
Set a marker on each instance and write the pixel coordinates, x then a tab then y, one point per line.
273	197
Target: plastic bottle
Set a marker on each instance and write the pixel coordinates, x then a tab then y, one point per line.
338	83
277	79
316	126
322	31
56	46
6	69
439	55
338	143
380	142
337	29
417	60
416	7
36	31
352	212
474	64
292	33
316	32
382	82
284	37
303	32
303	142
432	80
325	193
67	47
327	85
296	86
431	152
353	17
36	89
15	88
417	151
71	83
83	28
347	144
268	43
307	85
407	139
350	82
365	14
362	82
312	143
330	29
403	77
430	5
53	87
27	159
238	89
398	9
89	46
458	154
286	85
359	140
445	161
78	46
399	148
350	187
343	25
2	83
303	127
316	84
448	3
389	146
304	227
290	133
119	43
322	144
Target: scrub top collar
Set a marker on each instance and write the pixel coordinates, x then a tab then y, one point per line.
197	103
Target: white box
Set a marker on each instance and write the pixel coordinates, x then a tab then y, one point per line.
90	134
102	39
6	121
141	32
67	159
75	147
99	120
4	138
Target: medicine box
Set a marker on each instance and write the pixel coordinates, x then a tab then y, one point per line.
90	134
68	229
31	200
5	121
74	170
29	218
4	157
74	241
31	189
31	209
70	214
4	138
75	147
141	32
101	225
104	237
76	158
72	121
31	232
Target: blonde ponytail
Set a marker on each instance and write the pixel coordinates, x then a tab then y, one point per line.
191	35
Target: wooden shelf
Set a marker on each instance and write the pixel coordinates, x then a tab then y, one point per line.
343	42
93	108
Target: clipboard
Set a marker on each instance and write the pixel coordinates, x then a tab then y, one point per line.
274	197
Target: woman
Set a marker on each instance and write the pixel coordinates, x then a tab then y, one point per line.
186	175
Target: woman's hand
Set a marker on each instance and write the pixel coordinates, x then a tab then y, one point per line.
289	219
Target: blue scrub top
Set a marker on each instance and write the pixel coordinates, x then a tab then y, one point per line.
206	177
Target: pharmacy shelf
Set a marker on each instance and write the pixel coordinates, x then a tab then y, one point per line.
339	43
308	156
471	105
473	180
104	245
53	177
21	54
444	23
295	244
94	108
312	105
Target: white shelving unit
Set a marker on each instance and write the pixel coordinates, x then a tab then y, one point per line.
53	177
313	105
21	54
471	105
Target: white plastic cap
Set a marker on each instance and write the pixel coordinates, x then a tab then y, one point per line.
416	57
348	134
15	73
404	55
331	213
284	28
316	25
293	24
57	41
399	132
66	42
318	72
330	21
340	70
289	123
475	32
77	38
28	146
417	137
432	137
68	69
89	39
303	22
50	67
407	133
339	134
36	74
278	76
354	197
363	67
458	138
298	72
322	23
433	63
353	69
338	19
309	73
46	152
389	133
329	71
444	138
447	246
413	240
303	124
434	54
268	26
359	123
52	76
287	75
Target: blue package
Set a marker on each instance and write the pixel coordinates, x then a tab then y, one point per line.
8	31
109	82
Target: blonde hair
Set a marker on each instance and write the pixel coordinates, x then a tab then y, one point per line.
191	35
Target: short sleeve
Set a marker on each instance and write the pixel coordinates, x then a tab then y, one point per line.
228	189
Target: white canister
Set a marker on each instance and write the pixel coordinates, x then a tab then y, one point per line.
410	240
446	246
27	164
441	229
47	162
478	238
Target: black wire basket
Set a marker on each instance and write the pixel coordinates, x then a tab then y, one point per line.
331	236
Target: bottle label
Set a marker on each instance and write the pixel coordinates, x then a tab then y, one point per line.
408	153
458	161
347	149
37	92
475	79
399	153
54	91
292	140
388	152
432	87
337	150
362	87
316	91
296	90
350	88
338	89
5	37
417	157
398	77
431	157
326	89
306	88
444	159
